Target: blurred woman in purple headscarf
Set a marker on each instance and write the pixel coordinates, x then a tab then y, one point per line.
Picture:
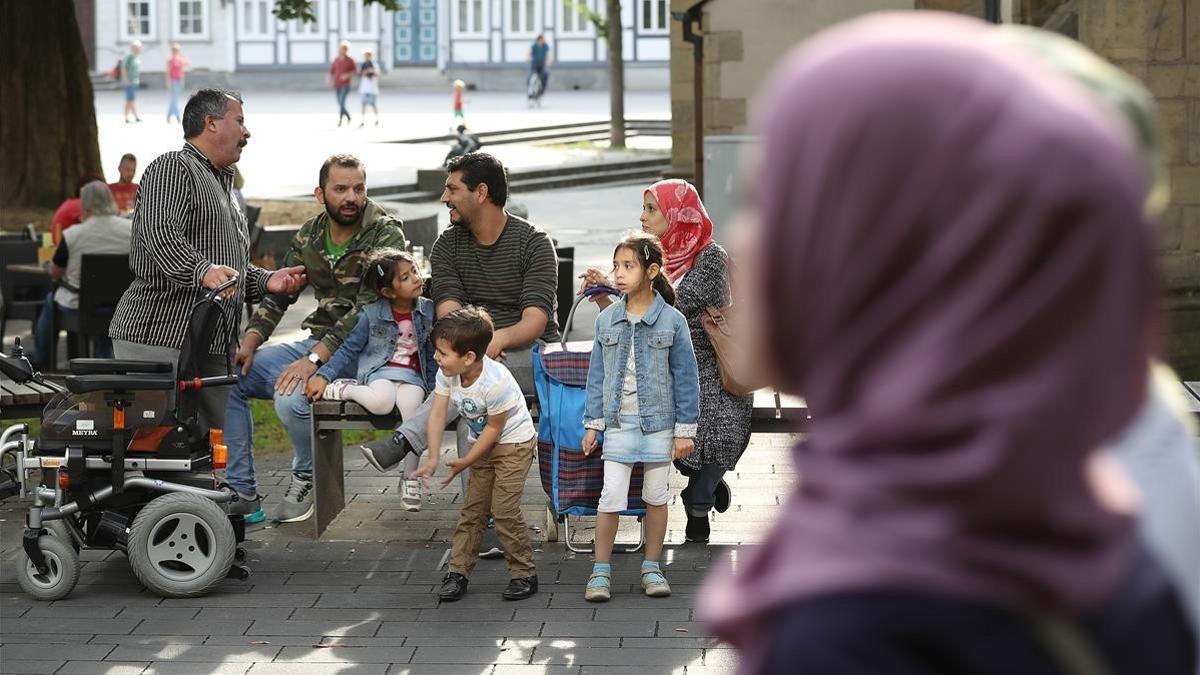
952	244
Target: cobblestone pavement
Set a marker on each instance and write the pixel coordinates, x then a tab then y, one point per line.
362	599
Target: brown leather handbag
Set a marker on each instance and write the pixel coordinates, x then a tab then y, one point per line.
718	326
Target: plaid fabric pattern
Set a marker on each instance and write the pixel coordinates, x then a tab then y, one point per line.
572	481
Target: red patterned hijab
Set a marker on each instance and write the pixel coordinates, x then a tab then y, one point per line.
689	230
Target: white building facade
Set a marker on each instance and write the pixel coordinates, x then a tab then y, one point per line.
237	36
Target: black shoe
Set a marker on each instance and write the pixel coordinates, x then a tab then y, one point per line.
697	529
386	453
454	586
519	589
722	497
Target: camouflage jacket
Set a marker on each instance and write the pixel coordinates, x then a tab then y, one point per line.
335	285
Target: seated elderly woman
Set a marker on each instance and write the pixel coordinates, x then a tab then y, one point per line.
101	231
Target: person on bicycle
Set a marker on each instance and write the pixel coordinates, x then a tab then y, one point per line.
540	59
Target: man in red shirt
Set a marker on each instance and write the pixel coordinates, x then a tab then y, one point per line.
124	191
341	75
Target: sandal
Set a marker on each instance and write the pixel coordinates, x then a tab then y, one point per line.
598	587
654	583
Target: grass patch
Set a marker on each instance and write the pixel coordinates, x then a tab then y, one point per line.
270	440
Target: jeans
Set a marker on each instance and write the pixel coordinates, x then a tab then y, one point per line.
543	74
342	93
45	338
699	496
173	106
294	411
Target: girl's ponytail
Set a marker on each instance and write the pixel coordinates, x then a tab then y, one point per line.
649	251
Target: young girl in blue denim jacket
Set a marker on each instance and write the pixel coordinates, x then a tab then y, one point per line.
643	394
395	357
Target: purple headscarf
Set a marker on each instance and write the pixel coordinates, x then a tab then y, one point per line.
962	287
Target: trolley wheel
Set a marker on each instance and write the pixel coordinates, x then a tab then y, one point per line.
551	524
181	545
59	580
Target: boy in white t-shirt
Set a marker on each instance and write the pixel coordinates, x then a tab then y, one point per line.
503	442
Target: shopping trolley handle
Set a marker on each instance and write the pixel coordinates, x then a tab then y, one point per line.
591	292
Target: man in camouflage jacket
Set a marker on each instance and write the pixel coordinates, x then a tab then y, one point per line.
333	248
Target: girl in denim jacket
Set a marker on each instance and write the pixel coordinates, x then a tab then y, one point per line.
643	393
395	358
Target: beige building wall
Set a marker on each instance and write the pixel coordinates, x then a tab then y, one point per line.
742	41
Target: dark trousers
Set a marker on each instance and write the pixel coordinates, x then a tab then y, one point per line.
1141	629
699	496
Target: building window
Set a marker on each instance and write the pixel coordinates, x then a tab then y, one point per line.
316	28
653	17
256	18
137	20
522	17
191	19
359	20
574	19
470	17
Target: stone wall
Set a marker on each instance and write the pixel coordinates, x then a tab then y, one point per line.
1159	42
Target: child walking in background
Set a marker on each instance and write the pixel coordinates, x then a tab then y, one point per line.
503	440
395	357
459	86
368	86
644	395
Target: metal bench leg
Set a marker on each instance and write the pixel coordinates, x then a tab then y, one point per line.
329	478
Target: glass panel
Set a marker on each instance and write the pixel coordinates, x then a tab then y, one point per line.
646	6
462	16
568	12
403	52
428	53
262	17
351	17
478	27
247	16
662	14
428	34
529	15
428	16
403	33
515	16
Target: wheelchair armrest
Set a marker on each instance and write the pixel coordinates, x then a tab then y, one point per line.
117	367
82	384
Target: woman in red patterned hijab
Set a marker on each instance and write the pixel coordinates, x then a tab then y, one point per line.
689	229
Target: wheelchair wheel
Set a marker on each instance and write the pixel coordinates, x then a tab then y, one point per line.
181	545
551	524
58	528
59	580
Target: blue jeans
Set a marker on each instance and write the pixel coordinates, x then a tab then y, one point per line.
294	411
342	93
173	106
699	497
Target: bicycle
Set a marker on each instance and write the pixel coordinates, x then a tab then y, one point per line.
534	88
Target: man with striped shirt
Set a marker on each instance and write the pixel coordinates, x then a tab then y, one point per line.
492	259
189	235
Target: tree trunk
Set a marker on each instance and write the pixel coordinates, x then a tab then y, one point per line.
616	74
48	129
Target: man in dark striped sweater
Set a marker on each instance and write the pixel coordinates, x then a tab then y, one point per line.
492	259
189	235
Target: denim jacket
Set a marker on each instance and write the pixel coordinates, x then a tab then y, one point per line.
668	389
373	341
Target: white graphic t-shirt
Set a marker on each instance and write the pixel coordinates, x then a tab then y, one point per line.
404	354
495	391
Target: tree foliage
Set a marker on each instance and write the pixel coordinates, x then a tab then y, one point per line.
286	10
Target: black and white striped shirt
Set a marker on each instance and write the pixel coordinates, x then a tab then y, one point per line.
185	221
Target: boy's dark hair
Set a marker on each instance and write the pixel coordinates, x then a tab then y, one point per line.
381	267
648	250
343	160
480	167
468	329
206	103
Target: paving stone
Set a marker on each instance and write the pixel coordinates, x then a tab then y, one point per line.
346	655
567	643
318	669
478	655
438	669
108	667
620	657
34	652
479	628
606	612
720	657
258	640
154	613
599	629
246	600
373	600
452	612
683	642
148	640
170	668
46	611
506	669
629	600
38	638
451	640
379	580
681	629
631	670
352	641
16	666
239	613
271	627
65	624
377	614
193	627
196	654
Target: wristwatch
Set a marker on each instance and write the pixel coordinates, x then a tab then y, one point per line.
315	360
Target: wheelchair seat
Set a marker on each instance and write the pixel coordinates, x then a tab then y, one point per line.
117	367
82	384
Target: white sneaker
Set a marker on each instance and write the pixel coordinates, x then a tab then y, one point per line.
336	390
411	491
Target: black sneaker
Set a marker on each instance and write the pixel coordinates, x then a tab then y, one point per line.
454	586
519	589
721	497
697	529
386	453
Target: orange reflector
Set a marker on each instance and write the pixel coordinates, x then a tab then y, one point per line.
220	451
64	480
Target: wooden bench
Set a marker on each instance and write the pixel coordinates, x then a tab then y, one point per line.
19	401
330	418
